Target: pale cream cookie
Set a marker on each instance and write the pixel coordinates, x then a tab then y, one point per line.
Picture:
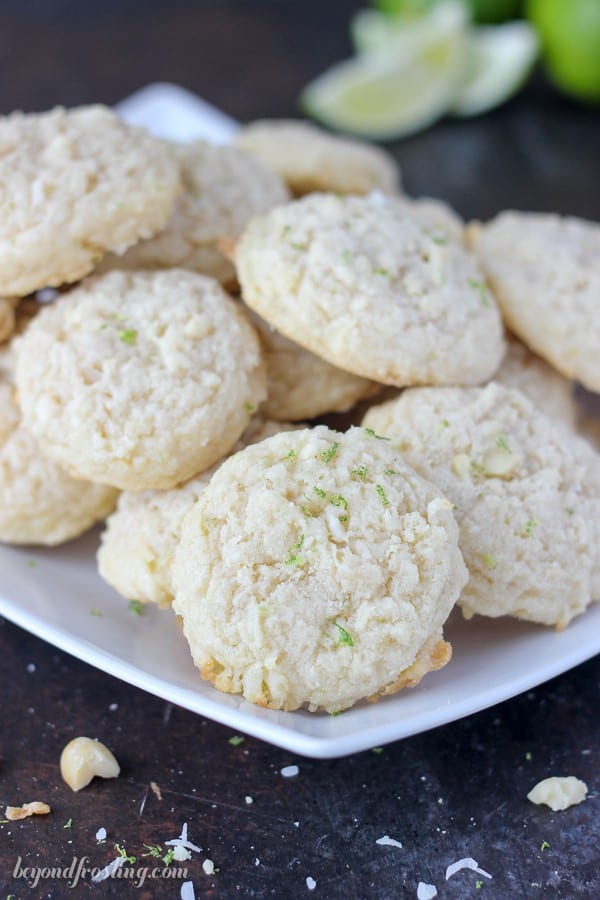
362	283
41	503
317	568
526	492
75	184
223	189
139	541
545	272
311	159
547	389
140	379
300	385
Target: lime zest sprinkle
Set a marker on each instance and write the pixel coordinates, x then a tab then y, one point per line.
544	846
502	443
528	756
136	607
290	456
380	437
478	884
154	850
32	563
128	336
236	739
489	560
343	518
338	500
569	510
477	468
302	248
361	473
285	231
443	424
382	496
123	854
377	750
345	639
482	289
328	455
249	407
435	237
346	256
320	492
294	560
168	857
95	612
390	472
530	527
68	823
380	271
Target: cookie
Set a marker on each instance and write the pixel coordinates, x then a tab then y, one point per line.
547	389
317	568
300	385
77	183
311	159
139	541
362	283
526	492
140	379
545	272
223	189
41	503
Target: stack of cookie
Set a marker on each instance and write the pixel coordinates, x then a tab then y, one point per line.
167	391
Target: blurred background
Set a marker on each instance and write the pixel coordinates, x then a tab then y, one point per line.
252	58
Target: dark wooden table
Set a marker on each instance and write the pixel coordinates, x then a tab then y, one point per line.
455	792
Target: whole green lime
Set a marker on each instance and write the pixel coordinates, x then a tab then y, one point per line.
569	31
486	11
494	11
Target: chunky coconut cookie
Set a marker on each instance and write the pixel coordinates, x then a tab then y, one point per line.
311	159
547	389
141	379
75	184
41	503
361	282
526	492
223	189
545	272
139	542
300	385
317	568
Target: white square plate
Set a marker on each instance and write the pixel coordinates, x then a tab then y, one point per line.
51	593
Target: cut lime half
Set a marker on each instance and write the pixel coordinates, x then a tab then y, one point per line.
397	89
500	59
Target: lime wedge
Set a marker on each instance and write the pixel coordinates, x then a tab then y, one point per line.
399	86
500	59
372	31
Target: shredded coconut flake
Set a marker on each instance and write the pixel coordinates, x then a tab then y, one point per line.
249	800
181	854
290	771
101	834
182	841
311	883
187	891
208	867
426	891
466	863
387	841
108	870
